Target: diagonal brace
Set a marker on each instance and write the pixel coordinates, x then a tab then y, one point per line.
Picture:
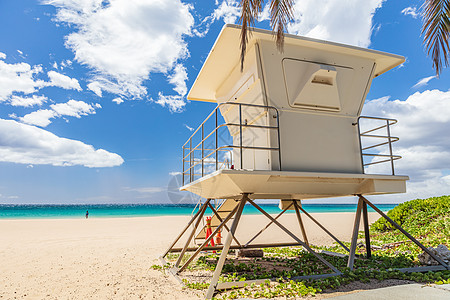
184	230
267	226
206	242
324	229
319	257
405	233
221	220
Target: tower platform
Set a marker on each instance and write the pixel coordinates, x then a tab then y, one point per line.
231	184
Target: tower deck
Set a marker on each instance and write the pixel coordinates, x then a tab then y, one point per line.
228	184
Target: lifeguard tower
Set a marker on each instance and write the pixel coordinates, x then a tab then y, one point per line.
287	126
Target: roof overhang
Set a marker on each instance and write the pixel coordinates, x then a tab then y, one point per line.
225	55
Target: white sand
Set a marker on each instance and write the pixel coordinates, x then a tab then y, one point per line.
111	258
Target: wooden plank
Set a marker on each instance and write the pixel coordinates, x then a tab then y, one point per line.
162	261
318	276
251	246
330	253
238	284
173	273
422	269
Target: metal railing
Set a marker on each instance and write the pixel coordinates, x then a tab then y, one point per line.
387	140
211	155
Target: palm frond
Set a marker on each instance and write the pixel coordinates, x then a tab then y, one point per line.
280	15
249	14
436	27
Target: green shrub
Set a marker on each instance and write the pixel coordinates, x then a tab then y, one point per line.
415	210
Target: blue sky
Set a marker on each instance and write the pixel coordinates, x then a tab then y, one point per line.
92	93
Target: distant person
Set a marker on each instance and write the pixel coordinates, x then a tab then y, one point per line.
87	214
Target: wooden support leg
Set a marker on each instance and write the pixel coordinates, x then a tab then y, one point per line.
366	229
226	247
299	218
203	209
405	233
351	257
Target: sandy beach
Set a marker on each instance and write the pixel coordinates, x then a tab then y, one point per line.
110	258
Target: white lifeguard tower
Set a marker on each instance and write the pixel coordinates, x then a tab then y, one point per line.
286	126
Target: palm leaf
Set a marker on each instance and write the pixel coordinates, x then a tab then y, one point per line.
249	13
280	15
436	27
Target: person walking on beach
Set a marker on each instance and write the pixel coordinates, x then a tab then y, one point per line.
87	214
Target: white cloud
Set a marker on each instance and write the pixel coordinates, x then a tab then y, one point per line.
145	190
265	14
27	101
228	10
25	144
126	40
20	77
63	81
66	63
174	173
412	11
71	108
96	87
423	128
175	103
2	55
178	78
40	117
344	21
117	100
423	81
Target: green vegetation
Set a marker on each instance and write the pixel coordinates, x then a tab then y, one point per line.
428	220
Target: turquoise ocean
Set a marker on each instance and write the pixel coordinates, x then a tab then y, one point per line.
8	211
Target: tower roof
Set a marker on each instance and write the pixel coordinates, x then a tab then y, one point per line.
225	55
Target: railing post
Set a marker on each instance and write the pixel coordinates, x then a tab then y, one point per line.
360	145
182	174
240	133
279	138
217	141
203	161
390	146
190	160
